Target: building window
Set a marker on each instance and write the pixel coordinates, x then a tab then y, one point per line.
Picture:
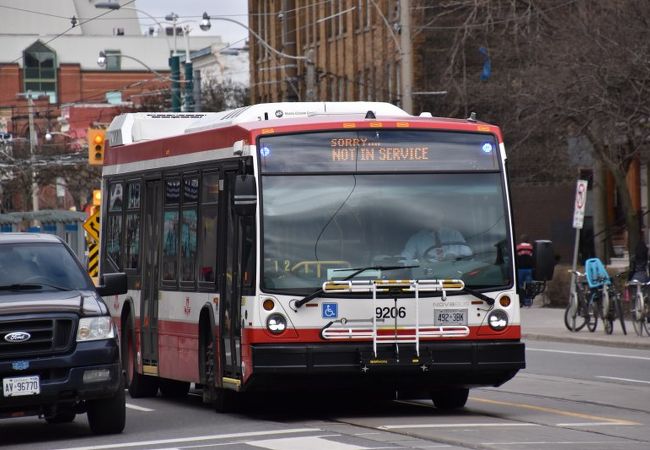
113	60
39	70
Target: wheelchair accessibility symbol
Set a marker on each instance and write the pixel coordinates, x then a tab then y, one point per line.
330	310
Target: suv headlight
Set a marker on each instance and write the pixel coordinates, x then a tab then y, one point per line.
94	328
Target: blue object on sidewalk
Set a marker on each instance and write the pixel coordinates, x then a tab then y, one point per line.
596	273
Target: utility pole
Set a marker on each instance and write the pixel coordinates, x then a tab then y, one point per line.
310	76
32	156
406	64
189	73
174	65
198	104
289	93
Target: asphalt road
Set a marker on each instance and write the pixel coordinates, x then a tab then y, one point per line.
571	396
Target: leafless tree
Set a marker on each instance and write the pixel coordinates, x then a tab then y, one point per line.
559	69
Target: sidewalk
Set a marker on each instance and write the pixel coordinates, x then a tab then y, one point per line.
547	324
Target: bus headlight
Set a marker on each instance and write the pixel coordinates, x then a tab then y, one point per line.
497	319
94	328
276	323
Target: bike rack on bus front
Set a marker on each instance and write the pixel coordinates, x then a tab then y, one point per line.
353	329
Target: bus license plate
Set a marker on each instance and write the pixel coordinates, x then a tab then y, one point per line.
443	317
13	387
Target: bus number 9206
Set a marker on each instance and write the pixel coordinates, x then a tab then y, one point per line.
387	312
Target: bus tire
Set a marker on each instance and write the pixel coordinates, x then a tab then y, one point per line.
225	400
450	398
138	385
207	366
173	388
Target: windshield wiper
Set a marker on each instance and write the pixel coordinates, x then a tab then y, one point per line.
27	286
357	271
19	287
485	298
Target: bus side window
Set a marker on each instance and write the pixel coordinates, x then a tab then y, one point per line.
207	251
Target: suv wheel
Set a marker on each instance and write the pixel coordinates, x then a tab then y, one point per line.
108	415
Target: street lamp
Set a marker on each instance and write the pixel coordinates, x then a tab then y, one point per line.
50	134
310	77
174	61
101	62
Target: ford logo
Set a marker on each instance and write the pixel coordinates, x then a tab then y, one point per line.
18	336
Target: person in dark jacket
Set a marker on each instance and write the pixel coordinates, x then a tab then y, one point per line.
524	254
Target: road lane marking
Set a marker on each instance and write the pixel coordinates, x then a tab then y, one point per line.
139	408
609	355
196	438
303	442
560	412
457	425
624	379
555	442
591	424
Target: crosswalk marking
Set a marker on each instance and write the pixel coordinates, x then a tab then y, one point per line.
305	442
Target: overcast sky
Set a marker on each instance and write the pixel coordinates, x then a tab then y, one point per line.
193	10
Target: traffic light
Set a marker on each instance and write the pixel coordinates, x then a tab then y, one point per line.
96	143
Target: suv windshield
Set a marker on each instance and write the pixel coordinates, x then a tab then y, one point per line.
40	265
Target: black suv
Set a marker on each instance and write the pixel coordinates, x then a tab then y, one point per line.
59	354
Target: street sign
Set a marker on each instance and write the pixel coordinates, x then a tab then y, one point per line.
580	203
91	225
93	258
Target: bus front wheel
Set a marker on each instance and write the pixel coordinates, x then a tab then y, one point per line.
138	385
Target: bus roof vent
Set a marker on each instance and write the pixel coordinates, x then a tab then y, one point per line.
135	127
294	110
426	114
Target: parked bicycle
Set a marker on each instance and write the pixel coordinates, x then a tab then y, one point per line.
609	297
581	310
640	306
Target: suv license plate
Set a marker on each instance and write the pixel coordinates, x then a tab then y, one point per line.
13	387
450	317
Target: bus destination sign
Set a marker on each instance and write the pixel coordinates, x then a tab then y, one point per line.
374	150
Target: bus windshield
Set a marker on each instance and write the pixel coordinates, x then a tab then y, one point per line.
320	226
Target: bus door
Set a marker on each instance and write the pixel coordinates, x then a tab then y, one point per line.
150	275
230	305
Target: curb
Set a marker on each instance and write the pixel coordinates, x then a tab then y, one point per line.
587	341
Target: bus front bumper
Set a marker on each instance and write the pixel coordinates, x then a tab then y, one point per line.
453	363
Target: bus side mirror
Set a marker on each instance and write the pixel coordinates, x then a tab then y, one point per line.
245	195
112	284
543	261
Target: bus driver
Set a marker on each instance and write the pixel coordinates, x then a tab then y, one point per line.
436	243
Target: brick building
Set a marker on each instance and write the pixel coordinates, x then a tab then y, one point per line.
50	52
354	46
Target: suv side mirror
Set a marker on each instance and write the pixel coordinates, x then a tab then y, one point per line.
112	284
543	261
245	195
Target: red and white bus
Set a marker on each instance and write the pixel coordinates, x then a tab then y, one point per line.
271	247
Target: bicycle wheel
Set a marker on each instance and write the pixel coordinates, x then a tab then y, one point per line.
646	316
619	312
592	312
606	311
573	319
638	316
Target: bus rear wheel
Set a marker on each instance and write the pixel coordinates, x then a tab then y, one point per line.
450	398
138	385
